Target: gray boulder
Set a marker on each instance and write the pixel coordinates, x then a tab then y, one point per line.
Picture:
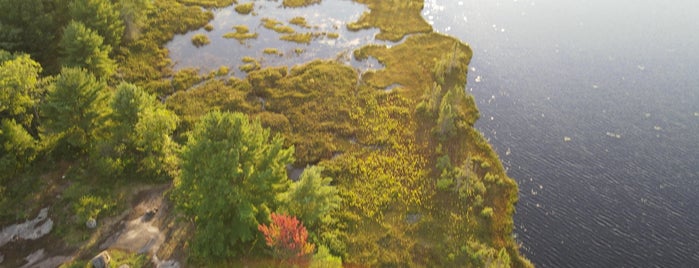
101	260
91	223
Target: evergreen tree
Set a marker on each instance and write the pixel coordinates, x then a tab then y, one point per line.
140	135
101	16
29	26
231	175
75	108
83	47
312	197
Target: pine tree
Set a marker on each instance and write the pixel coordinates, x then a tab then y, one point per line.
231	174
83	47
101	16
75	108
312	197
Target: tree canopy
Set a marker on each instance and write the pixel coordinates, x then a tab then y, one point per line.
231	174
101	16
18	86
75	107
139	135
312	197
83	47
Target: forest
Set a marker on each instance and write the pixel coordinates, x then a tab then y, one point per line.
93	115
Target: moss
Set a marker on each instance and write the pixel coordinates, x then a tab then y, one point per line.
272	51
299	21
244	8
276	26
299	3
241	33
301	38
209	27
200	40
395	18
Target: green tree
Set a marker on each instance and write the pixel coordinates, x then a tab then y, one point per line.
231	175
446	122
101	16
75	108
17	150
19	92
30	26
140	135
154	142
312	197
83	47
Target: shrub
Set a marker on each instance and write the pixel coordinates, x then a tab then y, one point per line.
287	237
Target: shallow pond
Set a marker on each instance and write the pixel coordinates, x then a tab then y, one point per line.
326	17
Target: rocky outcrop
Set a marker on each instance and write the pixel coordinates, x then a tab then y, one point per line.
29	230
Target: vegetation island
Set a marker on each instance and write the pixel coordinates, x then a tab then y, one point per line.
131	162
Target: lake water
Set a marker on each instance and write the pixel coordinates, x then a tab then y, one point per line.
592	105
594	108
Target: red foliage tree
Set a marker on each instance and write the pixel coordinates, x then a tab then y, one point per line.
287	237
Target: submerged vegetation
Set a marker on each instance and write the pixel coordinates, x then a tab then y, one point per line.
392	177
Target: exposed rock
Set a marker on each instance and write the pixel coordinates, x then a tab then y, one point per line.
101	260
34	257
29	230
124	266
139	236
168	264
91	223
2	258
49	262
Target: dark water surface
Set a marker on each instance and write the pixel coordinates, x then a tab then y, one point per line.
593	106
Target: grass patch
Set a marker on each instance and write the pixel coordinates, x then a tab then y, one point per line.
209	27
200	40
272	51
332	35
299	3
244	9
395	18
209	3
241	33
301	38
276	26
299	21
405	66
